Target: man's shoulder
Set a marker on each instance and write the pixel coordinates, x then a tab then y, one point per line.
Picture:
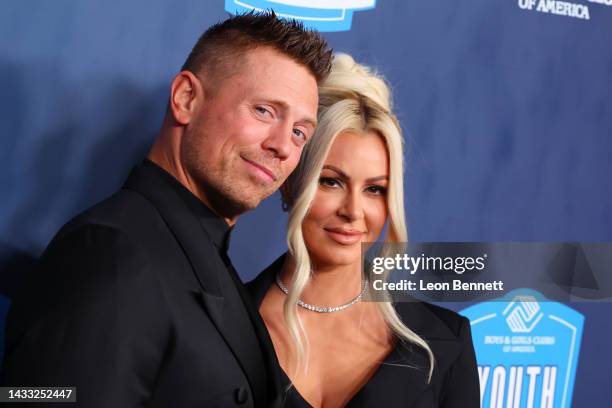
119	211
119	227
107	230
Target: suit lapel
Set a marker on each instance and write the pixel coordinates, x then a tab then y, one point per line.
403	374
218	293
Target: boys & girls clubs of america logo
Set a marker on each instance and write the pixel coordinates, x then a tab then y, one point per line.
527	350
321	15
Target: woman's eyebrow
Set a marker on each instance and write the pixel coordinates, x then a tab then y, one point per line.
345	176
337	170
373	179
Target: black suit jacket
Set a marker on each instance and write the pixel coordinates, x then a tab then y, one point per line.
401	380
134	305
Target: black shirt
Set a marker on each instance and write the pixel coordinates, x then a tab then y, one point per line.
218	230
220	234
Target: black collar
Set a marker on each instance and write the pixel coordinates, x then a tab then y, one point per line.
215	226
199	233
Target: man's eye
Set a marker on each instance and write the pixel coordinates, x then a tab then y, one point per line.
262	111
329	182
299	134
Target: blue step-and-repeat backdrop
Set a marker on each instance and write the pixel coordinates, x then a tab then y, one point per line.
506	107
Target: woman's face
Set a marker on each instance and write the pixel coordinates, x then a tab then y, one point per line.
350	205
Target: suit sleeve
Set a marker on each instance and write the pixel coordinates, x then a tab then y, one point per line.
462	385
90	317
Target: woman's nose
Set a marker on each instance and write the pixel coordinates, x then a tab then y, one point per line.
352	207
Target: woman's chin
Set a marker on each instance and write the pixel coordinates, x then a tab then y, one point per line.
339	256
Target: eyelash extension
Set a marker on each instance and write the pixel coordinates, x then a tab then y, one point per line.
380	189
374	189
323	180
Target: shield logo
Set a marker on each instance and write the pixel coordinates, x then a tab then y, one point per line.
527	350
321	15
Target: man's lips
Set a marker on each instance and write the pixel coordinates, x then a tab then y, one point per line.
263	169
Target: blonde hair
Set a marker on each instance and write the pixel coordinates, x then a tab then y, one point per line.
353	98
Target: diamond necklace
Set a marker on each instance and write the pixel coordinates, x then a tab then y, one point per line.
328	309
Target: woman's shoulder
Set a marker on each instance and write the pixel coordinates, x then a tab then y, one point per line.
258	287
432	321
448	335
453	320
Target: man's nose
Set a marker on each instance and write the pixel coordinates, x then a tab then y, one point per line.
279	140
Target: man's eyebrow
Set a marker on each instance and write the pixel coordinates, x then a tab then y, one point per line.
348	178
285	106
311	122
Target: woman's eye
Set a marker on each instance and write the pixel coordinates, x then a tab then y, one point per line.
328	182
378	190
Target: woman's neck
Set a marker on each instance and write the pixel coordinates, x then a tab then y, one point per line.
329	285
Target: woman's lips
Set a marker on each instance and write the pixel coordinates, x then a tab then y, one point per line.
344	237
260	171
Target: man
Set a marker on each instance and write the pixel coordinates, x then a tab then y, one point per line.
135	301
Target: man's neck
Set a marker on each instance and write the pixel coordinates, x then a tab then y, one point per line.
166	161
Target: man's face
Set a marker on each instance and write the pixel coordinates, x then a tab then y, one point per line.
246	137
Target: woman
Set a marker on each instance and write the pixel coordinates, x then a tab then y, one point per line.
335	350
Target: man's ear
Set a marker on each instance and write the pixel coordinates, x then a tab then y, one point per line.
185	91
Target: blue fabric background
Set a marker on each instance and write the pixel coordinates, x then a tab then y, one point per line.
506	113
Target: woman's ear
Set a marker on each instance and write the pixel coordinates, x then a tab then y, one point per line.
185	91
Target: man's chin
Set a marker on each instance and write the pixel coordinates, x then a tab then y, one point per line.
247	205
232	203
246	202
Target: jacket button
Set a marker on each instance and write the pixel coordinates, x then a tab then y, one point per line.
241	395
